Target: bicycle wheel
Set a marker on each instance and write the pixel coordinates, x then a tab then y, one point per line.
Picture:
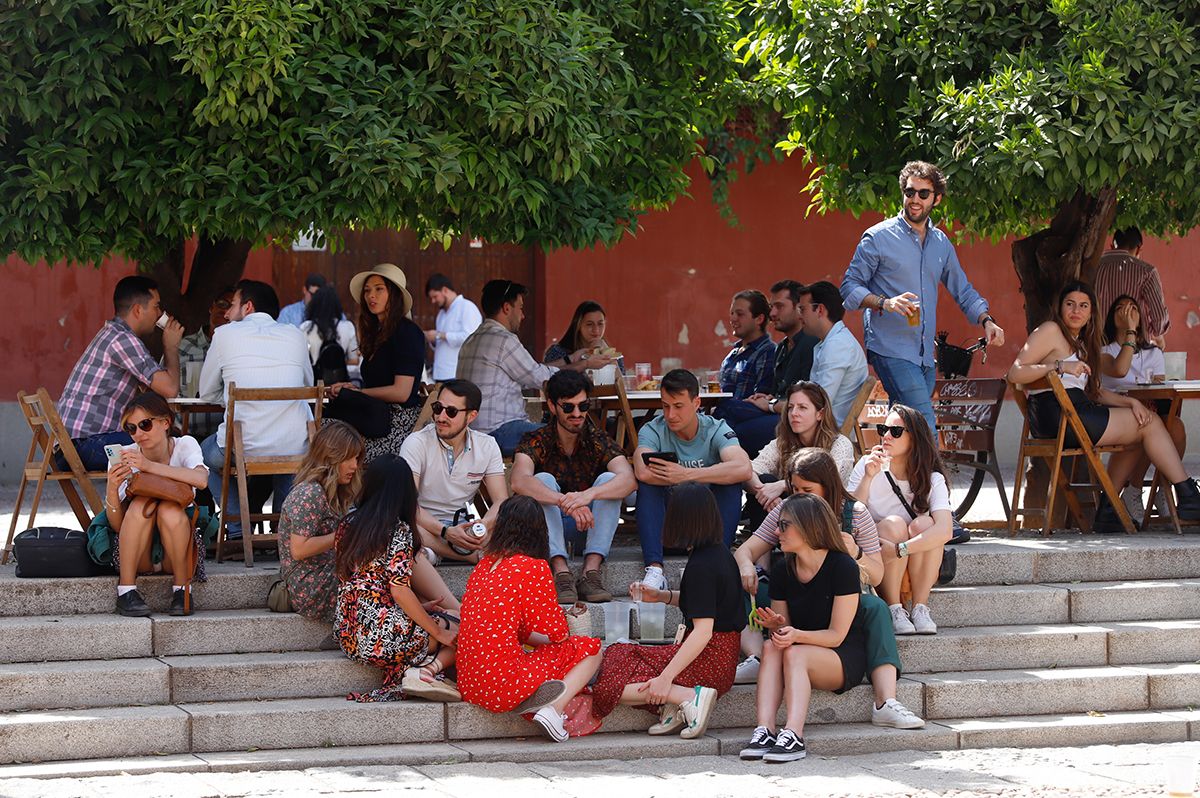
977	477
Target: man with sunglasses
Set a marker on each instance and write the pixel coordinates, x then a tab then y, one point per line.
581	478
893	278
450	461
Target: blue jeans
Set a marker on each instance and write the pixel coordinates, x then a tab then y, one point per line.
509	434
907	383
652	509
605	512
754	428
91	450
214	458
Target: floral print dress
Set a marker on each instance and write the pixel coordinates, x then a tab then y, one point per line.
371	628
312	585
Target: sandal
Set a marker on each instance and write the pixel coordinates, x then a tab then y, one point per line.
415	685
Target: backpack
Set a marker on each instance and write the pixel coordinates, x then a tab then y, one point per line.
330	366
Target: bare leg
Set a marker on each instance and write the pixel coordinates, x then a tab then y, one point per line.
633	696
892	530
770	686
883	680
923	566
428	584
1154	437
577	679
752	642
174	527
805	668
559	565
134	539
592	562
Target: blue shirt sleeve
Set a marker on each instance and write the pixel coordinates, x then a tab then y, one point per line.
856	282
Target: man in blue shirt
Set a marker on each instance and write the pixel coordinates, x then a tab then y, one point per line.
839	365
293	314
894	278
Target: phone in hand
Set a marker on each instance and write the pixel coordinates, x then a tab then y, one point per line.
113	452
670	457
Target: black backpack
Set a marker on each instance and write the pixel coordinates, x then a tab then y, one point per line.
331	363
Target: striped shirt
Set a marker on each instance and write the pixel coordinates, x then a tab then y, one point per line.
112	370
1120	273
865	534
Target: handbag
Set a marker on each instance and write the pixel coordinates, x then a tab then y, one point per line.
54	552
370	416
154	486
949	567
278	597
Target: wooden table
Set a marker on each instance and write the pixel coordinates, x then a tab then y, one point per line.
188	406
1175	392
652	400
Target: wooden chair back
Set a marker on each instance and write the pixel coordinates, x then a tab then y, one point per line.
850	422
612	398
426	414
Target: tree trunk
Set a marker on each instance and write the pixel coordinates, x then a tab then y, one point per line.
217	264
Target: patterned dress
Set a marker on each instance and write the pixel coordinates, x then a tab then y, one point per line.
507	600
371	628
312	585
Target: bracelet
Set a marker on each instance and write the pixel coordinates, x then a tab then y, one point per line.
1058	367
883	304
1130	344
567	359
443	532
988	318
860	553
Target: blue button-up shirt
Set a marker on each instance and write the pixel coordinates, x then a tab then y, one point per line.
891	260
749	368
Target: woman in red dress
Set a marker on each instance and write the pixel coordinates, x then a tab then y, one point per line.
509	604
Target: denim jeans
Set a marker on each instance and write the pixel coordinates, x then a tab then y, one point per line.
509	434
606	514
652	509
907	383
91	450
214	458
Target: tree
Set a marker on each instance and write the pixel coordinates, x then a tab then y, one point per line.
133	126
1051	118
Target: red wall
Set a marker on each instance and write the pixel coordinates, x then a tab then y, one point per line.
685	263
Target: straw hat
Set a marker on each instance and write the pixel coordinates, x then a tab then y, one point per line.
388	271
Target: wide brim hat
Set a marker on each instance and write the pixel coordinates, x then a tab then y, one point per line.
388	271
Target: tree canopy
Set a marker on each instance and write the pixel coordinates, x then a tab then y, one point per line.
130	125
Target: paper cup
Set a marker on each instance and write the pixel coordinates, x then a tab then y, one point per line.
162	321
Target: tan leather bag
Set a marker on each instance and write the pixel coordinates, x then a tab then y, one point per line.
153	486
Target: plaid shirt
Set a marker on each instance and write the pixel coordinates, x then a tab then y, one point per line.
495	360
111	371
749	368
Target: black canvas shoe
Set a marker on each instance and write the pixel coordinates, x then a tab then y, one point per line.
760	742
177	604
788	748
132	605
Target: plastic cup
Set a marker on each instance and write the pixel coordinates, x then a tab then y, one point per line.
162	321
644	371
616	621
652	618
1181	775
915	319
1175	365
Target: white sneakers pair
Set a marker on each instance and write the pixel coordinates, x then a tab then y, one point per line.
747	671
919	623
692	715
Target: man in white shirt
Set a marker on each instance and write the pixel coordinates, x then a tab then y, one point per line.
450	462
839	363
456	319
256	351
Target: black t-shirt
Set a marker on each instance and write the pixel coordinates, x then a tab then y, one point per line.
403	355
711	588
810	604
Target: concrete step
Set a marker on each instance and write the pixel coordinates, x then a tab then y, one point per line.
958	605
256	677
92	733
1093	728
239	631
1155	599
986	648
83	684
39	638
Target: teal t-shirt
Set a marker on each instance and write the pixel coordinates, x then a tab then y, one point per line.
702	451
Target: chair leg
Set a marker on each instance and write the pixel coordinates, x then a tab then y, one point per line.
244	497
1017	507
1114	496
76	503
993	468
12	527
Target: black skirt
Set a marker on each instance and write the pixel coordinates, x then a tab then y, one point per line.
1045	415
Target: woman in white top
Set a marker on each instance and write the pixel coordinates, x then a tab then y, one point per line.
135	519
1069	344
325	322
903	484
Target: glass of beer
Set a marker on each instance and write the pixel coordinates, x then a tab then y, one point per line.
914	319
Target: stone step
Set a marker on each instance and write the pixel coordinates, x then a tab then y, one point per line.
38	638
93	733
985	648
256	677
82	684
239	631
1155	599
958	605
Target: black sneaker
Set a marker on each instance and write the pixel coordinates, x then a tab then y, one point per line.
177	604
788	748
132	605
958	534
760	742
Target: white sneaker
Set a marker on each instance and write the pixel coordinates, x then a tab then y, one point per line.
670	718
922	623
900	622
655	578
747	671
895	715
551	722
1132	496
697	711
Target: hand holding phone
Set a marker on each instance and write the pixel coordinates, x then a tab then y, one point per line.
113	452
669	457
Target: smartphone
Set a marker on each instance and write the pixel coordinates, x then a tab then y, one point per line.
113	452
670	457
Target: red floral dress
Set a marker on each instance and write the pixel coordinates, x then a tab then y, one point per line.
502	606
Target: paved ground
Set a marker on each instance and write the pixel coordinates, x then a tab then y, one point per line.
1097	772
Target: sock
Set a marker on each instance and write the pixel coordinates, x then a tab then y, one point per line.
123	589
893	606
176	587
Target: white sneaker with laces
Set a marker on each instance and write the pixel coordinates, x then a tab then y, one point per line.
670	718
922	623
697	711
655	578
895	715
1132	496
747	671
551	723
900	622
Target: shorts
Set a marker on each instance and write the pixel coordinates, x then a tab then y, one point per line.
1045	415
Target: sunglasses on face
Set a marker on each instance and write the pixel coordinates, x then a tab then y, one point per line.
924	193
884	429
145	425
451	412
569	407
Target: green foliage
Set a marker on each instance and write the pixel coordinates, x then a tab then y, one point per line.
1022	103
131	124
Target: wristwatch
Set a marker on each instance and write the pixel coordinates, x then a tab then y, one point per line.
988	318
902	549
774	400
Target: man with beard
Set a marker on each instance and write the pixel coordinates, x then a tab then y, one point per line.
580	477
457	317
894	278
450	461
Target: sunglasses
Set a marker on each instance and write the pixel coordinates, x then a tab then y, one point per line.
884	429
145	425
569	407
923	193
451	412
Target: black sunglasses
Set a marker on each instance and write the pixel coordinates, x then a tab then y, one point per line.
884	429
923	193
145	425
451	412
569	407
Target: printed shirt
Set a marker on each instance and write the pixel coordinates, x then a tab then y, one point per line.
890	259
594	450
712	435
457	322
113	369
1121	273
495	360
749	368
840	367
446	488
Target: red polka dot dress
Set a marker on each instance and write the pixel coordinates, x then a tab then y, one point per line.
506	600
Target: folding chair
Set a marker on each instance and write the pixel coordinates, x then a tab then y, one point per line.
850	424
240	466
626	432
40	467
1054	450
426	414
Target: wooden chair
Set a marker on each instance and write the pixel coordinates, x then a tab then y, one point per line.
850	425
40	466
613	398
1054	450
426	414
240	467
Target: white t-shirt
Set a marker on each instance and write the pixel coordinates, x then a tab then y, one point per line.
346	336
445	490
883	501
185	454
1146	364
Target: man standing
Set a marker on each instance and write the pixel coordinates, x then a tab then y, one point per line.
839	364
494	358
581	478
450	462
703	448
457	318
256	351
894	278
114	368
293	314
1122	272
